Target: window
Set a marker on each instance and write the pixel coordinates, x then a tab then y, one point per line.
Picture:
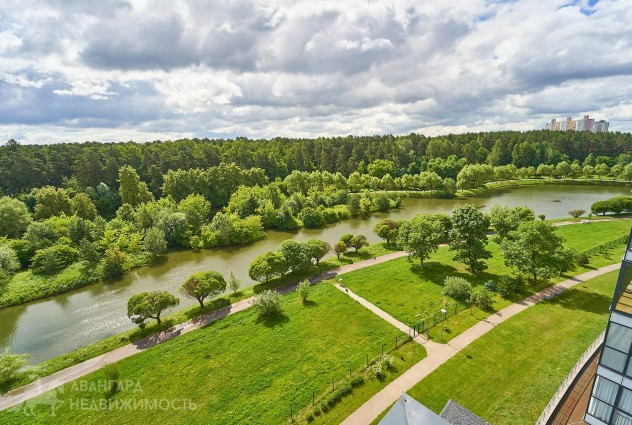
619	337
603	398
616	349
621	418
613	359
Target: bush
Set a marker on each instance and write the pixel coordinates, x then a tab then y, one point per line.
490	285
583	259
10	364
357	380
457	288
8	259
268	303
312	217
53	259
508	286
576	213
113	263
303	289
381	365
481	299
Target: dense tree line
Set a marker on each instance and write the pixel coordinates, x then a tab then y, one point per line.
94	163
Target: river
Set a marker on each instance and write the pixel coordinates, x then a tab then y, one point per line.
60	324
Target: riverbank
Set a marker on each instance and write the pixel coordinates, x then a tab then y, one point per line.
316	273
580	238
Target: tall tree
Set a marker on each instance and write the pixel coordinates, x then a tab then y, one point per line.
533	248
132	190
420	237
468	239
14	217
200	286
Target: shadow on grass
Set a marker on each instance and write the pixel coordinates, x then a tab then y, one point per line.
436	272
273	321
578	299
310	303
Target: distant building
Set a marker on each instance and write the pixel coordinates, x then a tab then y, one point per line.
584	124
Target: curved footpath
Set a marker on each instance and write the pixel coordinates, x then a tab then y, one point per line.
440	353
64	376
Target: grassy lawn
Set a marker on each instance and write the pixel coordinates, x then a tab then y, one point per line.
108	344
410	293
245	370
509	375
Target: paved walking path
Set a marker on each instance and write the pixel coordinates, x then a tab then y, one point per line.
64	376
436	357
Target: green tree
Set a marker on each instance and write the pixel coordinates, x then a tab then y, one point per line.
381	167
83	207
532	249
155	241
113	263
297	256
266	266
14	217
317	249
602	170
312	217
468	239
505	219
382	202
420	237
149	305
234	283
132	190
358	242
89	253
353	205
196	210
339	248
202	285
457	288
51	201
9	365
387	229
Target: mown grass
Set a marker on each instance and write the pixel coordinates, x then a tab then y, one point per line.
108	344
411	293
509	375
241	369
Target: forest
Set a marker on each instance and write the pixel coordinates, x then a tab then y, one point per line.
72	214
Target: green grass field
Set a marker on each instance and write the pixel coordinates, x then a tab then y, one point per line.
509	375
411	293
245	370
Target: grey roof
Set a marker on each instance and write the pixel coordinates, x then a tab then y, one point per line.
456	414
408	411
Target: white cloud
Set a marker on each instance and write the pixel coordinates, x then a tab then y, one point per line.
79	69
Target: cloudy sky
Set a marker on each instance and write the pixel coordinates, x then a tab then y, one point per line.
116	70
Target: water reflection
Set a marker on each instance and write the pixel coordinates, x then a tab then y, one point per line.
60	324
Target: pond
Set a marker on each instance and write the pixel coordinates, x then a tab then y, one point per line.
60	324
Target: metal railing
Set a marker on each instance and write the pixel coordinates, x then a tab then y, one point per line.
570	378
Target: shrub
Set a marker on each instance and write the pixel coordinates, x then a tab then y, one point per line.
312	217
583	259
508	286
357	380
382	202
303	289
268	303
457	288
53	259
8	259
113	263
490	285
381	365
310	417
10	364
481	299
542	217
576	213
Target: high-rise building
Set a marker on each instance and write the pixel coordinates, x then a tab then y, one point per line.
584	124
611	396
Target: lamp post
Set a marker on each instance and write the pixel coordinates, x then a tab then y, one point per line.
444	311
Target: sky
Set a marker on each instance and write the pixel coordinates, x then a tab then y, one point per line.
142	70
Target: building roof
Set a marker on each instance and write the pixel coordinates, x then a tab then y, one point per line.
408	411
456	414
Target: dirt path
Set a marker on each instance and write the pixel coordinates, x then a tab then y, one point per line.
438	356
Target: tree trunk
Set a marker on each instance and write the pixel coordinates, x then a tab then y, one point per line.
158	318
201	301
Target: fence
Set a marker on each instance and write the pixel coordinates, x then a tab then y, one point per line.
570	378
605	246
424	325
320	397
